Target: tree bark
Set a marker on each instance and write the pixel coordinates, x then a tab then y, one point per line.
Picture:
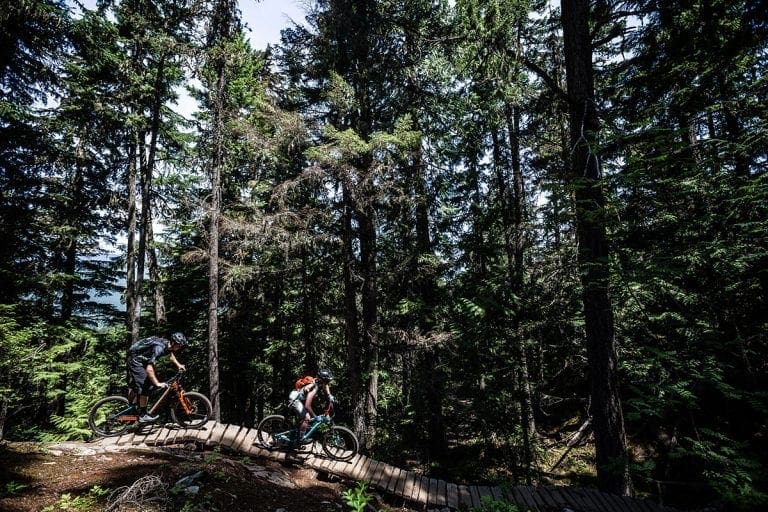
351	325
213	245
593	258
132	298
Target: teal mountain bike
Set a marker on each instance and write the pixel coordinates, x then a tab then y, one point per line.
340	443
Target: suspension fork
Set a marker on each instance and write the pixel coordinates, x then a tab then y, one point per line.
183	401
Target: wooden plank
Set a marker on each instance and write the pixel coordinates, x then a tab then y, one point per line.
549	501
183	435
474	495
452	495
162	435
151	439
442	499
401	481
527	498
364	468
237	441
330	465
205	432
465	500
257	451
327	463
395	482
359	474
432	492
216	434
593	502
369	469
649	505
199	435
318	463
124	439
355	471
485	492
423	485
537	497
603	499
171	437
415	487
575	497
496	493
340	467
139	438
377	473
560	499
616	501
409	485
632	504
248	439
389	478
642	505
229	436
509	496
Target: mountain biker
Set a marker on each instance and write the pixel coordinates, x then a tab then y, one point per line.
302	397
142	356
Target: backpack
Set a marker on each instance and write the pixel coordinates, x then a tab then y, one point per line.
307	379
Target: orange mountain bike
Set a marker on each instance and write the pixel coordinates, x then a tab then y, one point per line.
113	415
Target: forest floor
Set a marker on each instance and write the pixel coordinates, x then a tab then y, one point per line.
36	477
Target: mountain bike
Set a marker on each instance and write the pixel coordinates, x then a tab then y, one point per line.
338	442
113	415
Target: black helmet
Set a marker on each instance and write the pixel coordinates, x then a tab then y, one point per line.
179	338
325	375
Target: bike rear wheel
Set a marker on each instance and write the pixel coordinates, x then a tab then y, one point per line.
274	431
111	416
199	407
340	443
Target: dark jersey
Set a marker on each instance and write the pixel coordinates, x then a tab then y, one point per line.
147	350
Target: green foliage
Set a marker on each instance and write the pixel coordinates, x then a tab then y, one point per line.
488	504
728	466
14	487
358	497
47	365
73	503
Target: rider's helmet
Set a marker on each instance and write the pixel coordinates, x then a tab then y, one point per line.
325	375
179	338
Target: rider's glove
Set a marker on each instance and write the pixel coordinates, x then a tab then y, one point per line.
332	398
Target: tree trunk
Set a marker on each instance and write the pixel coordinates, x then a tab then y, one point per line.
351	326
132	298
369	303
593	258
213	245
155	121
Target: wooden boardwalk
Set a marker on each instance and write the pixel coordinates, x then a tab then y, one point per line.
408	485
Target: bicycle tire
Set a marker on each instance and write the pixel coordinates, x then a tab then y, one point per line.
103	419
200	410
340	443
268	427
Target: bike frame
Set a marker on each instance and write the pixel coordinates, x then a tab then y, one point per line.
129	413
310	431
173	386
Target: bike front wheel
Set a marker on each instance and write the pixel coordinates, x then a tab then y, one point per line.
340	443
274	431
111	416
199	408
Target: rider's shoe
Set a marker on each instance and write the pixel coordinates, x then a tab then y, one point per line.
146	418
